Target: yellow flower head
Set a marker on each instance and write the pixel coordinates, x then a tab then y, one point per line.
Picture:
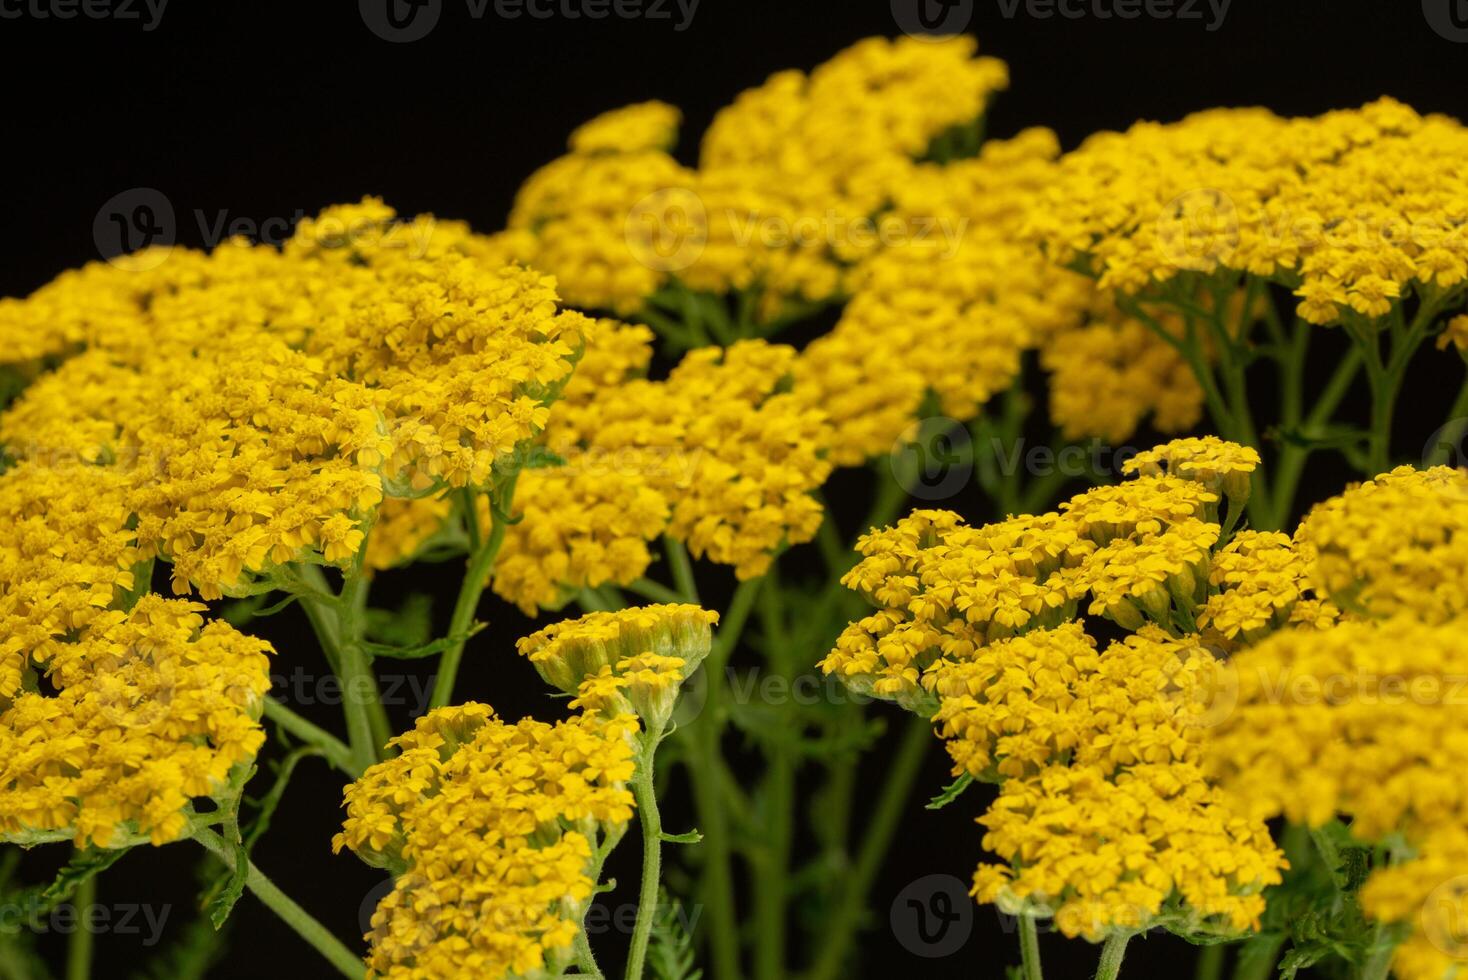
623	643
1361	719
490	829
1153	845
153	709
1222	467
644	126
1395	544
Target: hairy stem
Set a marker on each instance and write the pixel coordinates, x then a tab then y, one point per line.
1111	955
652	832
1029	948
476	579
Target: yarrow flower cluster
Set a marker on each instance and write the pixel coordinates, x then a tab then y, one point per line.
1148	672
1351	209
977	629
153	708
491	830
632	661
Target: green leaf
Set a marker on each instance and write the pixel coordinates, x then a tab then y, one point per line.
83	864
670	946
424	650
222	900
950	793
280	606
410	625
239	612
692	837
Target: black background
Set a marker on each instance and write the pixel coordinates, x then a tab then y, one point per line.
261	111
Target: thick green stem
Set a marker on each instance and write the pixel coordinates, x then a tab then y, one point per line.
1257	955
1291	464
585	958
895	796
360	698
682	569
1210	962
327	617
79	944
1029	948
1111	955
346	962
476	580
773	866
705	765
337	752
652	833
656	591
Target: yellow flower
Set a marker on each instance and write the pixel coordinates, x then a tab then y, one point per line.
1154	845
649	650
644	126
490	830
1360	719
1393	545
153	708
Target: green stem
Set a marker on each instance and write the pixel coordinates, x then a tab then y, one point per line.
652	832
1451	438
337	752
656	591
1379	965
1257	955
704	769
1210	962
585	958
1111	955
359	686
1292	458
346	962
895	794
773	868
476	579
326	617
79	944
1029	948
681	567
